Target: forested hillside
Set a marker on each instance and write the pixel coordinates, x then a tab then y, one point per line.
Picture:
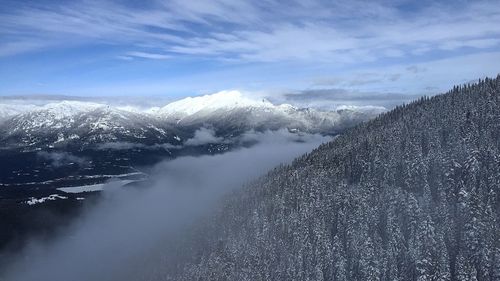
411	195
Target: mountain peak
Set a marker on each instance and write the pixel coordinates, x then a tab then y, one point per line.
220	100
67	107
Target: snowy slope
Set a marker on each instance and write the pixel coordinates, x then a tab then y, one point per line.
9	110
83	123
233	109
227	100
54	115
229	113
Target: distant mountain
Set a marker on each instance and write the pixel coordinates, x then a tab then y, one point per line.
230	109
83	125
9	110
81	142
411	195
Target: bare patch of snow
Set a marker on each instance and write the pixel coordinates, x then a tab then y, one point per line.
51	197
92	187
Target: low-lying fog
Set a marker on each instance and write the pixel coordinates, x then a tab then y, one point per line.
128	223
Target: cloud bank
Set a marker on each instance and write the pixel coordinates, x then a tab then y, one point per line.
131	145
128	224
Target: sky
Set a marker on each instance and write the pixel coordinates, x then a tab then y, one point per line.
312	48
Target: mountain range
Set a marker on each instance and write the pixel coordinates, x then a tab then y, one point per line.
58	151
82	125
64	143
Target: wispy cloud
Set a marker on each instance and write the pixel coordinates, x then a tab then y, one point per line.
343	31
15	47
58	159
334	98
145	55
180	48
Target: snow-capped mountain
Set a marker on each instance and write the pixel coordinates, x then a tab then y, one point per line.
231	109
228	113
207	104
83	123
8	110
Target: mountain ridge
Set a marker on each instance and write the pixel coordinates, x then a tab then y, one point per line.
89	122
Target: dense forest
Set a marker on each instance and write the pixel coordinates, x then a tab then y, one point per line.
411	195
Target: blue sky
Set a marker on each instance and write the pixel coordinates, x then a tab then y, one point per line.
181	47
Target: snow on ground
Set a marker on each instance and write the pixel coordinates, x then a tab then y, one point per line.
92	187
82	188
52	197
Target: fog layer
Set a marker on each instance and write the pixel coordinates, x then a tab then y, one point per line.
129	223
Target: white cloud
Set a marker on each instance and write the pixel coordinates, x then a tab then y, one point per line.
475	43
130	145
342	31
58	159
278	136
17	47
145	55
431	77
203	136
